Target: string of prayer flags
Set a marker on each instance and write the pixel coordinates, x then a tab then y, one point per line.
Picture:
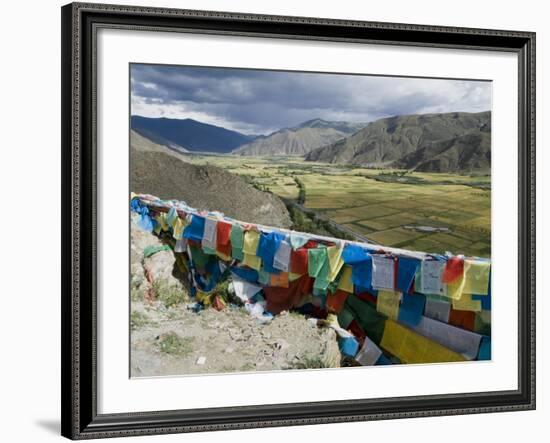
392	306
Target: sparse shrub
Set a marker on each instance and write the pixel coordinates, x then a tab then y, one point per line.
171	343
138	319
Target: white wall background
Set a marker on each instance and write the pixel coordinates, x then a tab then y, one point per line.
30	232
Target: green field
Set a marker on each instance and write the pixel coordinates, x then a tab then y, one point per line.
392	208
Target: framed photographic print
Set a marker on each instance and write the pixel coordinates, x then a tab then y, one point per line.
273	221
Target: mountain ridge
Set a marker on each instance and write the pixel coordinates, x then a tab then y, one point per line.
188	134
410	141
299	139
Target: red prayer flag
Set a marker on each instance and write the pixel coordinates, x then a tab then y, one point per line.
223	232
462	319
335	302
298	261
454	269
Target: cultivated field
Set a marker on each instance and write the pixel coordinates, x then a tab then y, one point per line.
422	211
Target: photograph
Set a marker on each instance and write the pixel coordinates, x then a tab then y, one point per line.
292	220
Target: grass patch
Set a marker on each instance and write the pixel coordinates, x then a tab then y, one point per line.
310	362
172	344
138	320
169	295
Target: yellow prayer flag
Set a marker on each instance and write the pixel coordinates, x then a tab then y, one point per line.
335	261
411	347
161	220
293	276
346	283
178	228
252	261
465	303
387	303
251	240
477	277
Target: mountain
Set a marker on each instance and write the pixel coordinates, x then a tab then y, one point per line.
299	140
469	152
456	141
188	134
162	172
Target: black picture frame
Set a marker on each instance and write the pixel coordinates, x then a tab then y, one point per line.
80	22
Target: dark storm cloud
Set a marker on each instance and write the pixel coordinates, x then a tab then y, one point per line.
262	101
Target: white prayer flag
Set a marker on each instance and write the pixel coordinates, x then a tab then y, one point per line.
281	260
383	272
430	277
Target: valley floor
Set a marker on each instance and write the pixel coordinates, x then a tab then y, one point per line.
430	212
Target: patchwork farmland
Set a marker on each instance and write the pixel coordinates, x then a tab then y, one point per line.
430	212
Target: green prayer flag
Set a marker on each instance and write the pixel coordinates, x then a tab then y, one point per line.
316	259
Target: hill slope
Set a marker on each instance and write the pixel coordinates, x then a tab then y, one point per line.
299	140
188	134
161	172
394	141
469	152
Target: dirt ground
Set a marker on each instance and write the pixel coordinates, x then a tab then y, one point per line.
178	341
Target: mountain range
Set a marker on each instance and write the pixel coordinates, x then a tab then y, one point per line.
300	139
446	142
188	134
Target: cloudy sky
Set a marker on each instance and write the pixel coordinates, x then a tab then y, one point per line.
260	102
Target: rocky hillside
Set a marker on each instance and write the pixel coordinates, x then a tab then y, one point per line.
299	140
457	141
188	134
157	170
469	152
